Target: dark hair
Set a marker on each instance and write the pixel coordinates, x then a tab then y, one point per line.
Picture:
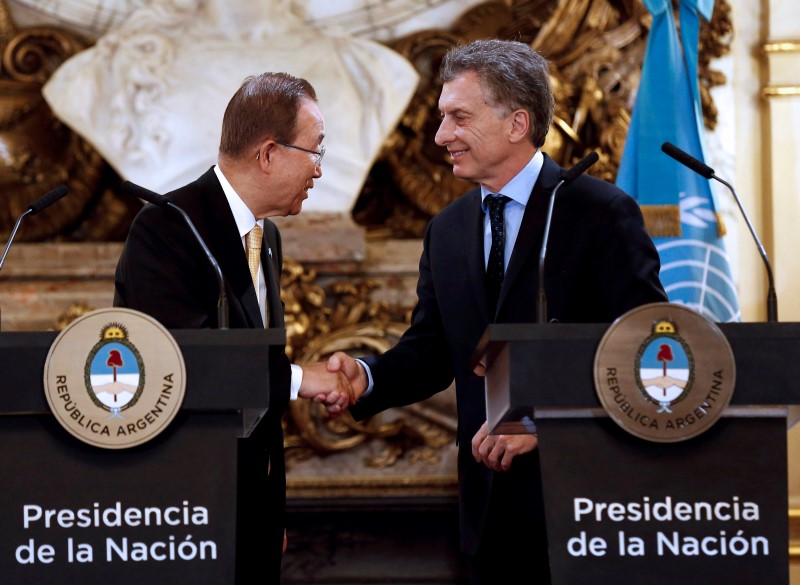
264	106
515	76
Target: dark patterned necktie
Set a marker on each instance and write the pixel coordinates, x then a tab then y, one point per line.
495	267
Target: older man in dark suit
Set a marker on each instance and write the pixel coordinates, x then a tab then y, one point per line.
270	154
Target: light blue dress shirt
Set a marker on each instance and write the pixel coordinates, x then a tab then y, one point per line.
518	190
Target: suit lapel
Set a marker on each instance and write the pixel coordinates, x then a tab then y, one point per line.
473	250
269	261
531	230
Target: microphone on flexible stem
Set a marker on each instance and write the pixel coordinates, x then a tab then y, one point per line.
705	171
45	200
156	199
566	178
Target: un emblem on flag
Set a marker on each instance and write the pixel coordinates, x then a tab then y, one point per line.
115	378
664	373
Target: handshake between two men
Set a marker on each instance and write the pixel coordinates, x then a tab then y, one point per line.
341	380
336	383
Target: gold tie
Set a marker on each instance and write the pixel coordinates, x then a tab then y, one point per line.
253	241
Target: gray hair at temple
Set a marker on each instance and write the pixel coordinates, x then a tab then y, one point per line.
516	77
265	106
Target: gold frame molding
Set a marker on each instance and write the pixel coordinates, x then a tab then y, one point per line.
783	90
782	47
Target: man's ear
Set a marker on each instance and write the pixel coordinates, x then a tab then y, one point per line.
266	152
521	125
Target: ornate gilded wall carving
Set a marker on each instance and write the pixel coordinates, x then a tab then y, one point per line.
37	151
342	316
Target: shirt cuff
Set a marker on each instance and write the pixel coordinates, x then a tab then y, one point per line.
297	379
369	377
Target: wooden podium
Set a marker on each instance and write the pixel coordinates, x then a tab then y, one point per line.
161	512
621	509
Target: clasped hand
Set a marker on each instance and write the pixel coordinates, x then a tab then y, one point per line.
336	383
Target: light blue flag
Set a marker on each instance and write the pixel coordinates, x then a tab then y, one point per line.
677	203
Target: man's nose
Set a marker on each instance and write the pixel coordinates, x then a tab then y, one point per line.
444	134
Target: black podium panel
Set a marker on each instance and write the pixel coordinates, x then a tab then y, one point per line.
162	512
709	510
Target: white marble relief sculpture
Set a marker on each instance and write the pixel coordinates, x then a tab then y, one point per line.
150	94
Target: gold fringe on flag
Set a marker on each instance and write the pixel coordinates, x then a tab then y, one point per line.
662	221
721	229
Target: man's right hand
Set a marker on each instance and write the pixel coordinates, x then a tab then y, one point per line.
352	370
329	388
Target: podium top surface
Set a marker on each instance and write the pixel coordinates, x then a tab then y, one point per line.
561	357
225	369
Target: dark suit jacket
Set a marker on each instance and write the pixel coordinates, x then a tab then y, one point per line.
600	264
164	272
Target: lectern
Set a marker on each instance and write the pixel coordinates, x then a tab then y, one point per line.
161	512
620	509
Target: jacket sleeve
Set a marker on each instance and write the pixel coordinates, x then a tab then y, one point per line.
420	364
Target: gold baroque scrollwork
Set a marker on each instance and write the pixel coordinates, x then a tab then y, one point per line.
341	317
411	146
38	151
318	431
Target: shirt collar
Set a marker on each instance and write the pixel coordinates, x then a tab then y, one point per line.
241	213
520	187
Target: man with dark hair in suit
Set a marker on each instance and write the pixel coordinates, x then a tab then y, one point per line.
497	106
269	156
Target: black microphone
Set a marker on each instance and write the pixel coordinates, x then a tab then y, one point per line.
566	177
45	200
580	167
156	199
688	160
704	170
48	199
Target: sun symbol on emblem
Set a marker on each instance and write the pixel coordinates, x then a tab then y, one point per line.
114	331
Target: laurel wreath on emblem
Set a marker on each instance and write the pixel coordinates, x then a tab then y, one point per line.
114	373
664	366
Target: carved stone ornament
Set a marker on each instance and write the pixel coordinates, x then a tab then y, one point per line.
37	152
